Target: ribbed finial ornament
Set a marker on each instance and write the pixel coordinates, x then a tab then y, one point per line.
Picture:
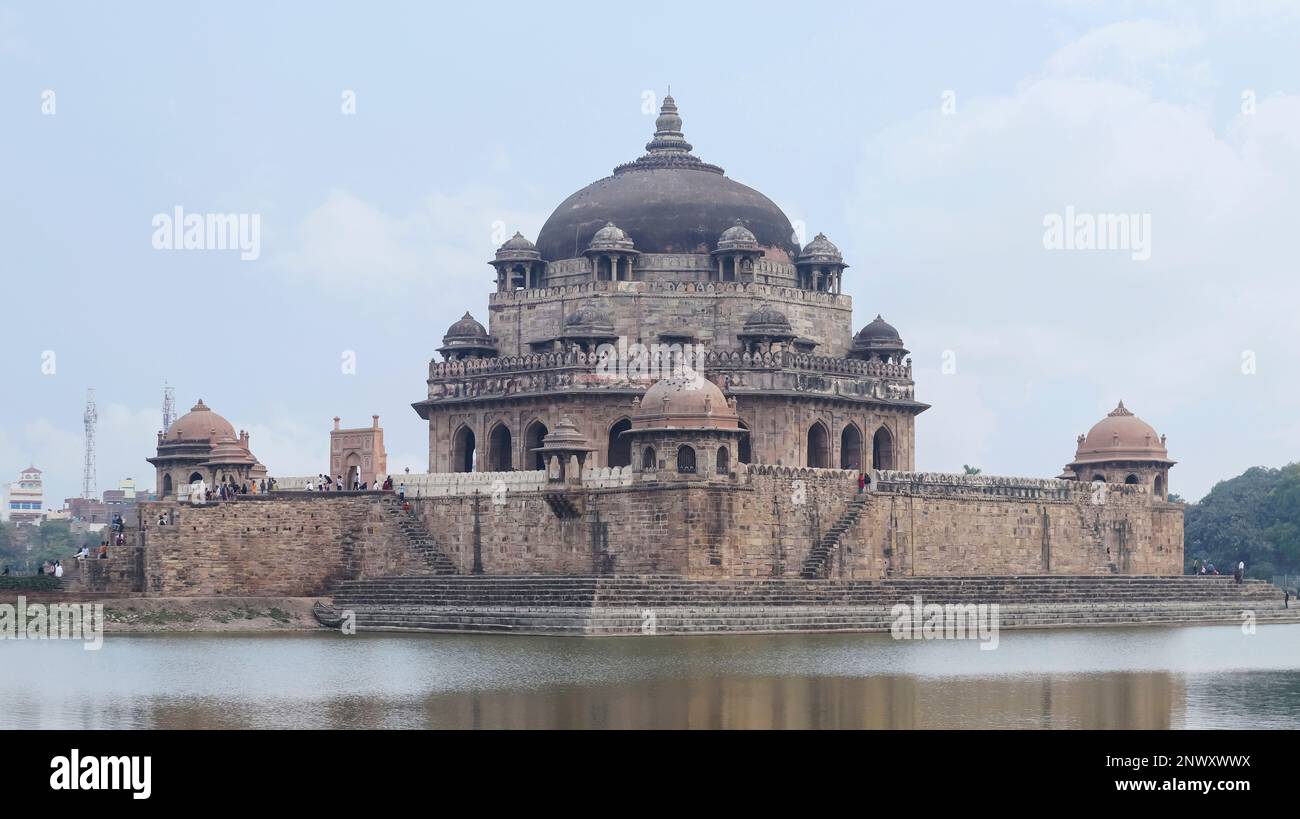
668	130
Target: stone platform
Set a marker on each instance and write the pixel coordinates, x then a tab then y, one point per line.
665	605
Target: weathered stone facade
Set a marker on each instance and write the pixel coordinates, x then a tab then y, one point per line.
756	522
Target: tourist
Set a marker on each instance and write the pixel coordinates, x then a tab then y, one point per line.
103	551
83	553
58	568
1241	571
401	492
862	482
338	482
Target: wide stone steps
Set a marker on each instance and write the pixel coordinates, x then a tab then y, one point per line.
541	591
618	604
757	620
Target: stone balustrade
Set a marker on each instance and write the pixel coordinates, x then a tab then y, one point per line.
587	368
658	287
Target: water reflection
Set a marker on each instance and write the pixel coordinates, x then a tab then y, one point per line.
1109	678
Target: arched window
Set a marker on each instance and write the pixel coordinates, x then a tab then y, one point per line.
500	457
533	437
743	453
619	452
1160	487
882	449
462	450
195	477
724	461
648	462
1098	478
685	459
167	486
819	447
1131	480
851	447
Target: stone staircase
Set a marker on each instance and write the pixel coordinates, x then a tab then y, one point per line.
613	605
417	537
818	560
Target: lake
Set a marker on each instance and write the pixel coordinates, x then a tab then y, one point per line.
1212	677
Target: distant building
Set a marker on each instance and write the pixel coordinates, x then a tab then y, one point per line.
202	446
27	497
359	453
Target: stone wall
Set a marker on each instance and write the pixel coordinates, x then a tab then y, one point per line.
762	521
712	313
281	545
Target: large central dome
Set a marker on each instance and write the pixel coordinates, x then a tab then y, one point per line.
668	201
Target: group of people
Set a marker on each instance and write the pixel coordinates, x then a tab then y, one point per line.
324	483
1206	567
229	490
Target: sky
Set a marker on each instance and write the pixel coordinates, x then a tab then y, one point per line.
385	148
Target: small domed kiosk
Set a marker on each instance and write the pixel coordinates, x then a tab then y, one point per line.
684	429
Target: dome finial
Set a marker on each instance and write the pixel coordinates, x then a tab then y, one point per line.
1120	411
668	130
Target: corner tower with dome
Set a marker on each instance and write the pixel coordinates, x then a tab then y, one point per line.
668	250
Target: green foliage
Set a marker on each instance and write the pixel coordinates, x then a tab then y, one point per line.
35	582
27	549
971	470
1253	517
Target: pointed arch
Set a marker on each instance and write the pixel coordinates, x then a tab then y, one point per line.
723	461
883	455
534	435
619	451
819	446
167	485
463	448
851	447
500	449
743	452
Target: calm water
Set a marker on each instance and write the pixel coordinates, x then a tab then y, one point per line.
1104	678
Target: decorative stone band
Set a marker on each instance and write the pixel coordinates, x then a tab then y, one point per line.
683	288
939	483
784	360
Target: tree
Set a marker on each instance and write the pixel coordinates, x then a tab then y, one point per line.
1253	517
971	470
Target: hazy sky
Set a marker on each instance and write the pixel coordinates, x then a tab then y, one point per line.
929	141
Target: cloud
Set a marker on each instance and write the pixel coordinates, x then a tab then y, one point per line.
956	204
352	247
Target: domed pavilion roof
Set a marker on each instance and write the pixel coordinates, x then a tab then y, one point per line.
517	249
669	201
200	423
767	322
688	401
1121	436
589	321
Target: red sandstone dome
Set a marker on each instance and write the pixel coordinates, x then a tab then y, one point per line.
685	402
1121	436
200	424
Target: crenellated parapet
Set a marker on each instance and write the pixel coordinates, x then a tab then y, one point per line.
939	483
